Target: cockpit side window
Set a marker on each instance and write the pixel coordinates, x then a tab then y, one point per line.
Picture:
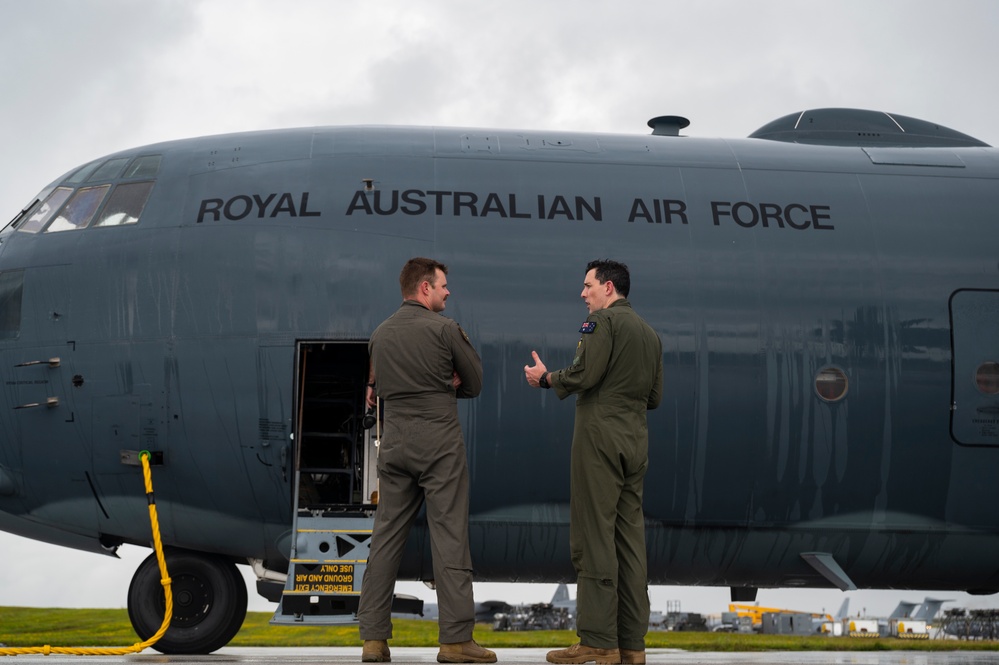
81	173
143	167
43	212
109	170
25	211
126	204
80	209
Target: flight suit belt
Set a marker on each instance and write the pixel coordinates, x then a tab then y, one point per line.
612	402
420	404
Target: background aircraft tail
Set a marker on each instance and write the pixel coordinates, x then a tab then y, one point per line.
929	609
903	610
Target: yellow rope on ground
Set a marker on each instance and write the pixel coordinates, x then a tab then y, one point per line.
164	580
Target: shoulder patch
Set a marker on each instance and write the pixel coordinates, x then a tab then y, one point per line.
588	327
463	333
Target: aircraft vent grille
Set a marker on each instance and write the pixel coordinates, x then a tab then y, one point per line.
668	125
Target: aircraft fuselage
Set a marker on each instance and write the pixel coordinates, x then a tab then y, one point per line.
771	270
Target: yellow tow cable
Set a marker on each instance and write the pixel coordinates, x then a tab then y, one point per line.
164	580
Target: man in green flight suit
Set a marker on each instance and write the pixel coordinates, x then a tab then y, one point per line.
421	363
616	375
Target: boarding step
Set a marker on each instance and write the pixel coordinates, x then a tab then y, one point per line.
328	559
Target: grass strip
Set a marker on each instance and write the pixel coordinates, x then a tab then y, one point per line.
32	626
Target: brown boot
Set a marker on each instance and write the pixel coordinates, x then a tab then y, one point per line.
633	656
465	652
580	653
375	651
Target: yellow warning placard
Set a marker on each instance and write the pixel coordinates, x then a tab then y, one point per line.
325	578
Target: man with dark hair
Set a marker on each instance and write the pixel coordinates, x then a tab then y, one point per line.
616	375
421	363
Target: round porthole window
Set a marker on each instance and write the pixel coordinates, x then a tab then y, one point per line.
831	384
987	378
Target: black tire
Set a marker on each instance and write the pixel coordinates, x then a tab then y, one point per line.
209	602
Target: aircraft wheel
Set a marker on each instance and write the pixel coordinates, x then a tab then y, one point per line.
209	602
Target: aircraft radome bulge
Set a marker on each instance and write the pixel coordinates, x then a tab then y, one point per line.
862	128
668	125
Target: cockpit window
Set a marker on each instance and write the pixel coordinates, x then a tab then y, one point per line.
143	167
43	213
25	211
80	209
126	204
109	170
116	193
82	173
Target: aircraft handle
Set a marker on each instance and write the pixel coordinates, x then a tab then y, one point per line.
51	362
49	402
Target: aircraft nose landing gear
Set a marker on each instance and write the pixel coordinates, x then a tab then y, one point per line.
209	602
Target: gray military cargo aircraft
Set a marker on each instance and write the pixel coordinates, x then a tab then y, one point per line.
827	291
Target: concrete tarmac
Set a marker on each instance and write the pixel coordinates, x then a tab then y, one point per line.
327	655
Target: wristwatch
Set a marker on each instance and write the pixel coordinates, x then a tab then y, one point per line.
543	381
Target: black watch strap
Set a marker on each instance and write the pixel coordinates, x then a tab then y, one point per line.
543	381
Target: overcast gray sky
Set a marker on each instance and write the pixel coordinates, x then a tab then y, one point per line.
81	79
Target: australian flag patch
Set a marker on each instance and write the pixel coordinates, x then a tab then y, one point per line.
588	327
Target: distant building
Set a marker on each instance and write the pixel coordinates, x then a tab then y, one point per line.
911	629
787	623
686	621
861	627
657	621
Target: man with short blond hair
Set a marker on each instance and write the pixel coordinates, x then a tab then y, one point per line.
421	364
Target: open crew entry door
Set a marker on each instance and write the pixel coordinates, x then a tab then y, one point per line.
335	486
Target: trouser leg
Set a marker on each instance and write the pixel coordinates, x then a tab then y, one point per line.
596	485
633	592
399	502
445	484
